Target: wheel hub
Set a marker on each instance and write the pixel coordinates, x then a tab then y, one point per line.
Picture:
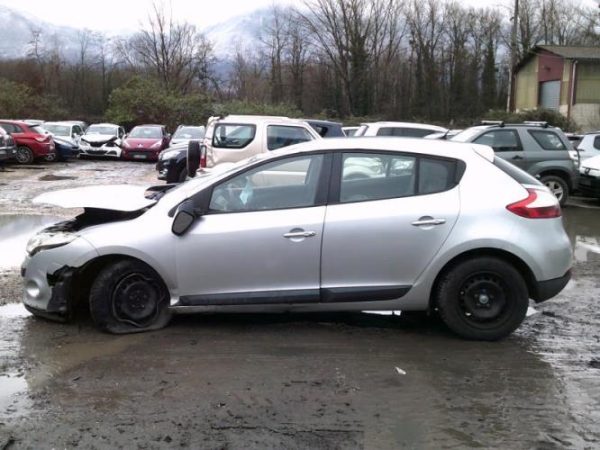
136	299
483	297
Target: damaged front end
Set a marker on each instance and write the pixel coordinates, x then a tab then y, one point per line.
59	264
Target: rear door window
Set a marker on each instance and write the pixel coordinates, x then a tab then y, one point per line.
234	136
436	175
501	140
279	136
548	140
597	142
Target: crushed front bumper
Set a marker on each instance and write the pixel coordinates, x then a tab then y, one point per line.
48	278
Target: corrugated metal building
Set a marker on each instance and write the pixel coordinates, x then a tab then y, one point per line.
563	78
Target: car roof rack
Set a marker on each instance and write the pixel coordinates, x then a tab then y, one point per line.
537	123
527	123
499	123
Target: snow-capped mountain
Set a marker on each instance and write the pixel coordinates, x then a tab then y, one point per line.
17	32
17	29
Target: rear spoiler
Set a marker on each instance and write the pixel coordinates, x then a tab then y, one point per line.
484	151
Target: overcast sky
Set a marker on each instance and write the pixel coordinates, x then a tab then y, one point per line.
117	15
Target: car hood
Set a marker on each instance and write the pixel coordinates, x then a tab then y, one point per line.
134	142
115	197
591	163
98	137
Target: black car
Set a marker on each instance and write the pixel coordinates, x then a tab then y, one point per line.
172	163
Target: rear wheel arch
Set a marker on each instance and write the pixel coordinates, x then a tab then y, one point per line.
508	257
563	174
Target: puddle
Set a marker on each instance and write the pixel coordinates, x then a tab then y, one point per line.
14	310
583	228
15	231
53	177
13	399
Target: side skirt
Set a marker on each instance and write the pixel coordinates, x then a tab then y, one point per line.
300	296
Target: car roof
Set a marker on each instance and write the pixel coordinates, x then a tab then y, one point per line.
322	122
260	119
104	124
149	125
15	122
424	126
59	123
399	144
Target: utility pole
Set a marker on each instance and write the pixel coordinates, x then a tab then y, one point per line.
513	59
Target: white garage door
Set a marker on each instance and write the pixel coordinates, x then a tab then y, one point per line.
549	94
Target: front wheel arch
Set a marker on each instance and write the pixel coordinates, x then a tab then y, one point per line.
508	257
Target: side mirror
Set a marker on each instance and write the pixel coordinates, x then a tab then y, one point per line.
193	158
184	217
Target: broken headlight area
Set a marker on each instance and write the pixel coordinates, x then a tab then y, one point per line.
64	233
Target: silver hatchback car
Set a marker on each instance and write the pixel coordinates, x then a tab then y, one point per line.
328	225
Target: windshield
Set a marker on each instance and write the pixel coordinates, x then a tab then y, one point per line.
146	133
189	133
467	135
102	129
38	129
59	130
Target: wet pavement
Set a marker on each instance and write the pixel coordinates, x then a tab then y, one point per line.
307	381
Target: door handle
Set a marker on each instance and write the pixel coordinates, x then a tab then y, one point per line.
300	234
517	157
419	223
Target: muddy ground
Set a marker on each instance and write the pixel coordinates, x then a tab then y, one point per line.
293	381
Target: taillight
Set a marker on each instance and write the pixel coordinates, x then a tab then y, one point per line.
203	156
42	138
539	204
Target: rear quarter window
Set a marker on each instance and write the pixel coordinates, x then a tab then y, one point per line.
548	140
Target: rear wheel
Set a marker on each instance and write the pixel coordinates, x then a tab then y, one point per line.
24	155
484	298
557	186
129	297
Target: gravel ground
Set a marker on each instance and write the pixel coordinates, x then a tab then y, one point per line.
297	381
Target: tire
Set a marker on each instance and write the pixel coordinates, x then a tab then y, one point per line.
52	157
193	158
182	175
484	298
24	155
129	297
558	186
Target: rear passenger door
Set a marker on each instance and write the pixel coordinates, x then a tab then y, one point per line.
388	216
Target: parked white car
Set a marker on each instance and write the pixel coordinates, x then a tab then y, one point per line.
102	139
233	138
398	129
589	180
589	145
67	131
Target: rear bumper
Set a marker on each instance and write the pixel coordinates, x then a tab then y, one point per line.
544	290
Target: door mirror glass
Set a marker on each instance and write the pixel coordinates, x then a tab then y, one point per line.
184	218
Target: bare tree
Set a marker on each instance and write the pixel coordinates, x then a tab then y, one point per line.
176	53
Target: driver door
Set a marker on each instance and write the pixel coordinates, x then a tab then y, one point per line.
260	242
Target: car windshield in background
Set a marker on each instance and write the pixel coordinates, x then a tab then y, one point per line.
39	129
467	135
59	130
233	136
102	130
189	133
146	133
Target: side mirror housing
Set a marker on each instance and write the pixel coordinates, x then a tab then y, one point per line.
184	218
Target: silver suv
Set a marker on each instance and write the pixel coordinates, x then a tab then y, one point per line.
535	147
428	225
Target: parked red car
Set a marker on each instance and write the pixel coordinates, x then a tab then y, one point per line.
32	141
145	142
